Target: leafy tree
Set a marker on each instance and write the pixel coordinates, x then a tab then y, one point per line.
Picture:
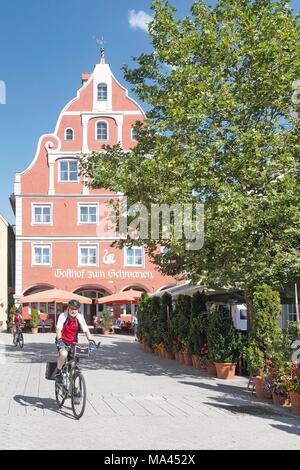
219	84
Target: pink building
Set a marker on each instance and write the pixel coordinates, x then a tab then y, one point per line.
57	216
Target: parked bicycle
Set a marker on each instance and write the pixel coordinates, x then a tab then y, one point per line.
18	338
73	385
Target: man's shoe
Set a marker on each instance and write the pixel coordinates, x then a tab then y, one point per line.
59	377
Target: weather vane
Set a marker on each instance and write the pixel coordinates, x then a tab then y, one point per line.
101	43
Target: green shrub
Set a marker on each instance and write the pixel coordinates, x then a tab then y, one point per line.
224	343
265	329
34	318
108	319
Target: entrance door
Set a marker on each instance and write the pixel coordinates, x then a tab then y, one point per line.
89	312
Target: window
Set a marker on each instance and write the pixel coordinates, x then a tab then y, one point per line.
134	256
88	256
42	214
41	255
69	134
88	214
243	314
101	131
134	134
68	171
102	92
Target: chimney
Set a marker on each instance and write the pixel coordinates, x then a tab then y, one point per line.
84	77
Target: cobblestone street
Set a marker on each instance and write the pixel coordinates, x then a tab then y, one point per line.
135	401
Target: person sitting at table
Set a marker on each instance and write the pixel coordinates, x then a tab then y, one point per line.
95	323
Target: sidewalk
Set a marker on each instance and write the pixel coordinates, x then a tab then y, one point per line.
135	401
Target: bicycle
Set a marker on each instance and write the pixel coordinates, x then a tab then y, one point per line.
73	385
18	338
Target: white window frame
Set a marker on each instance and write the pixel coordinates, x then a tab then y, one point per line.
35	205
107	131
59	170
39	245
73	134
82	265
134	265
102	85
87	204
132	138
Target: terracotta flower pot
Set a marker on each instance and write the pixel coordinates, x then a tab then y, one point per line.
181	358
169	355
187	360
280	400
34	331
295	402
260	388
194	360
211	369
225	370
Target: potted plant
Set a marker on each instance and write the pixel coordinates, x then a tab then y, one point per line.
224	343
34	321
265	331
107	322
278	387
292	384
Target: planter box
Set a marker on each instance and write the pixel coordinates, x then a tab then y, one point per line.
211	369
280	400
260	388
295	402
225	370
187	360
169	355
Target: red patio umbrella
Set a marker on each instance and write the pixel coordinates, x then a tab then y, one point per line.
127	297
54	295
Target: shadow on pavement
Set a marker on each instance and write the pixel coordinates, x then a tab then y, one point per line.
42	403
115	355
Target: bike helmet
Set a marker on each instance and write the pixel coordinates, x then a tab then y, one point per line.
74	304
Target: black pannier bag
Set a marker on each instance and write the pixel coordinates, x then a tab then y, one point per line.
50	370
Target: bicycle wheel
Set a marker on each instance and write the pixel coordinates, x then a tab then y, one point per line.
21	340
78	397
60	394
15	340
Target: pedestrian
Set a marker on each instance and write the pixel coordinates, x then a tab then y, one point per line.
135	327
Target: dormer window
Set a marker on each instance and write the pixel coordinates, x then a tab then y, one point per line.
69	134
102	92
101	131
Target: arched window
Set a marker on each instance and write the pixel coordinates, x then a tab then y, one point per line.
102	92
69	134
134	134
101	131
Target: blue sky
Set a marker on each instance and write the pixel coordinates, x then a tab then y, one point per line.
44	48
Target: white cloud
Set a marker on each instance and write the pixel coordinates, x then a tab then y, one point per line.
139	20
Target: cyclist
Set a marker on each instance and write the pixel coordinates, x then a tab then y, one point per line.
67	332
17	321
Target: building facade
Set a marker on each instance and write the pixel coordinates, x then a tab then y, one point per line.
7	246
59	219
